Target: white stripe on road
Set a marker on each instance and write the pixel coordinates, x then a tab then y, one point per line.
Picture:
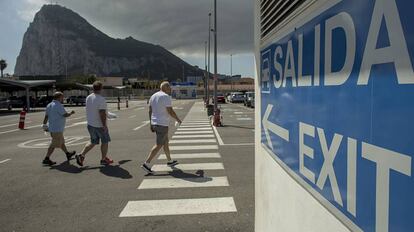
192	136
189	148
133	116
193	132
196	121
192	126
4	161
191	156
193	141
244	119
188	167
14	124
195	182
9	131
143	124
195	129
140	108
178	207
220	141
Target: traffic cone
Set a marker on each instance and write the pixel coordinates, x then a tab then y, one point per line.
217	118
22	119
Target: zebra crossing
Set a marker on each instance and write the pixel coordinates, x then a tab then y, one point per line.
193	140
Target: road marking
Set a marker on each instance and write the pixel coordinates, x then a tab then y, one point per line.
193	141
195	129
238	113
140	108
196	121
143	124
44	142
220	141
191	136
188	167
178	207
193	132
191	156
14	124
195	182
9	131
244	119
198	147
4	161
190	126
71	119
133	116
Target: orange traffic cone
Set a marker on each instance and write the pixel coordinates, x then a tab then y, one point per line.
22	119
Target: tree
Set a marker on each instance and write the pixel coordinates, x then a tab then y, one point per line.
3	66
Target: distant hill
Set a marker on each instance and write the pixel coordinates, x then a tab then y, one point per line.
60	40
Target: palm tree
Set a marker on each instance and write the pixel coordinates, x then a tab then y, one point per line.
3	66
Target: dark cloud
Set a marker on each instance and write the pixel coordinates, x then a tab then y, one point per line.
178	25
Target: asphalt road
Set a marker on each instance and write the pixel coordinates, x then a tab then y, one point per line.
211	190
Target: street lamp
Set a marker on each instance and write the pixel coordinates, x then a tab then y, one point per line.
205	74
216	121
208	61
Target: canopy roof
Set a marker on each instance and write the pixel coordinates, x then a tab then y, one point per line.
18	85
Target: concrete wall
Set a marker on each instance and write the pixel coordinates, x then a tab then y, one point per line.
282	204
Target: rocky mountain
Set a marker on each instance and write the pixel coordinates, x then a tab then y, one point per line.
60	41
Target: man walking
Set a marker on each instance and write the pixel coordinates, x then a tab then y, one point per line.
56	115
160	111
96	114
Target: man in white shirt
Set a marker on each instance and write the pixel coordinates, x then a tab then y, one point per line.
96	113
160	111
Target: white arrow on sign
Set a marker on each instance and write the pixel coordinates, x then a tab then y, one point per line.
269	126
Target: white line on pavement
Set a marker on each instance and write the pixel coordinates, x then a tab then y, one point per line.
239	144
195	129
13	124
194	182
9	131
143	124
193	132
193	141
244	119
4	161
179	207
198	147
220	141
191	156
192	126
192	136
133	116
140	108
188	167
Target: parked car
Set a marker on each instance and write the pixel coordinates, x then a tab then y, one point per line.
77	100
253	102
248	98
220	98
16	101
5	104
237	97
44	100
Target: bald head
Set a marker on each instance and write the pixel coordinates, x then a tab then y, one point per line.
165	87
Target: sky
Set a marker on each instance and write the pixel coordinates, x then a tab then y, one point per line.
180	26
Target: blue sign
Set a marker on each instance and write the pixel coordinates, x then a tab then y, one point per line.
337	107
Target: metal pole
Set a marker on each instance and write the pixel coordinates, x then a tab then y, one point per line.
208	61
205	73
215	55
231	65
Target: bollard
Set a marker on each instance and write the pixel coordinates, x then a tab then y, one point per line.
217	118
119	105
126	103
22	119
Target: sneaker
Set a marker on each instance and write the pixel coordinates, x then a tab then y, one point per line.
79	159
106	161
69	155
146	168
47	161
172	163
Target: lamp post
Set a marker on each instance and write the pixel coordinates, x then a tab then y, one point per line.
205	74
208	60
216	121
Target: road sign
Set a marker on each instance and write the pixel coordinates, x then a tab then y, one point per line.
337	107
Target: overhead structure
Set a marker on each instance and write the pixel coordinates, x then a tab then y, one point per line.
17	85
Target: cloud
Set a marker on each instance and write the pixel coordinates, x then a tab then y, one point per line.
29	9
179	25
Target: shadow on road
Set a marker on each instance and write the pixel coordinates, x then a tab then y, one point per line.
198	177
111	170
241	127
